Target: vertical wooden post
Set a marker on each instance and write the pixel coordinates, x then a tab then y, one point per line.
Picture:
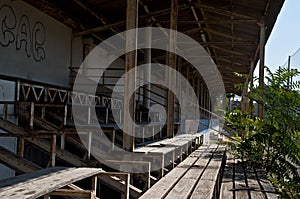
147	72
153	132
5	111
31	118
130	81
113	140
21	147
62	141
125	195
106	115
94	184
202	96
261	63
172	64
52	151
43	112
65	114
143	131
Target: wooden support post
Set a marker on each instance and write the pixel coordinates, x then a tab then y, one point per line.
147	72
172	64
31	120
153	132
202	95
130	81
62	141
65	114
113	140
94	184
125	195
251	98
43	112
21	147
52	151
5	111
261	63
89	135
106	115
143	138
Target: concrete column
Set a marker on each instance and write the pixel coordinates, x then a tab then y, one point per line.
262	63
147	72
172	63
129	86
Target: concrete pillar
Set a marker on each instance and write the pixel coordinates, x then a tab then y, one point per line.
172	63
129	86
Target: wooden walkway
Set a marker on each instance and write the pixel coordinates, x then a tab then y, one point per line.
211	172
242	182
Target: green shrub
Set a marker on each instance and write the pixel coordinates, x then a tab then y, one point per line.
272	143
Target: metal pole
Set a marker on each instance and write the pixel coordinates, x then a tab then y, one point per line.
289	69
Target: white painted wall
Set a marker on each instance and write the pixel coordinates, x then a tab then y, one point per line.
33	45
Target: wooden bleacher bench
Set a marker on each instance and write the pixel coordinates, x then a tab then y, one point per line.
198	176
246	183
46	181
166	152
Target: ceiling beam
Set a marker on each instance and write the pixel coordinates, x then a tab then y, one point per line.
228	51
223	21
55	12
211	31
221	11
229	61
150	15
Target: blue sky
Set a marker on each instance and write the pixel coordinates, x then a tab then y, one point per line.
285	37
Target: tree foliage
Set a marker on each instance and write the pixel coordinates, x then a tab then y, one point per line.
272	143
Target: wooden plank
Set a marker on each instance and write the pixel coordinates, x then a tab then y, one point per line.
240	187
254	188
165	184
14	162
185	185
266	185
74	193
227	180
205	188
32	185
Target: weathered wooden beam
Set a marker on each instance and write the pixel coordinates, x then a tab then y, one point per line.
172	64
130	79
228	51
16	163
73	193
211	31
222	12
262	41
213	22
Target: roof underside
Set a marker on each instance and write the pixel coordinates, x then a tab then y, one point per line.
228	29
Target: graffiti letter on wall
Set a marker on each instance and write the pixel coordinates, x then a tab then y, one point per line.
8	23
23	35
27	38
38	39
